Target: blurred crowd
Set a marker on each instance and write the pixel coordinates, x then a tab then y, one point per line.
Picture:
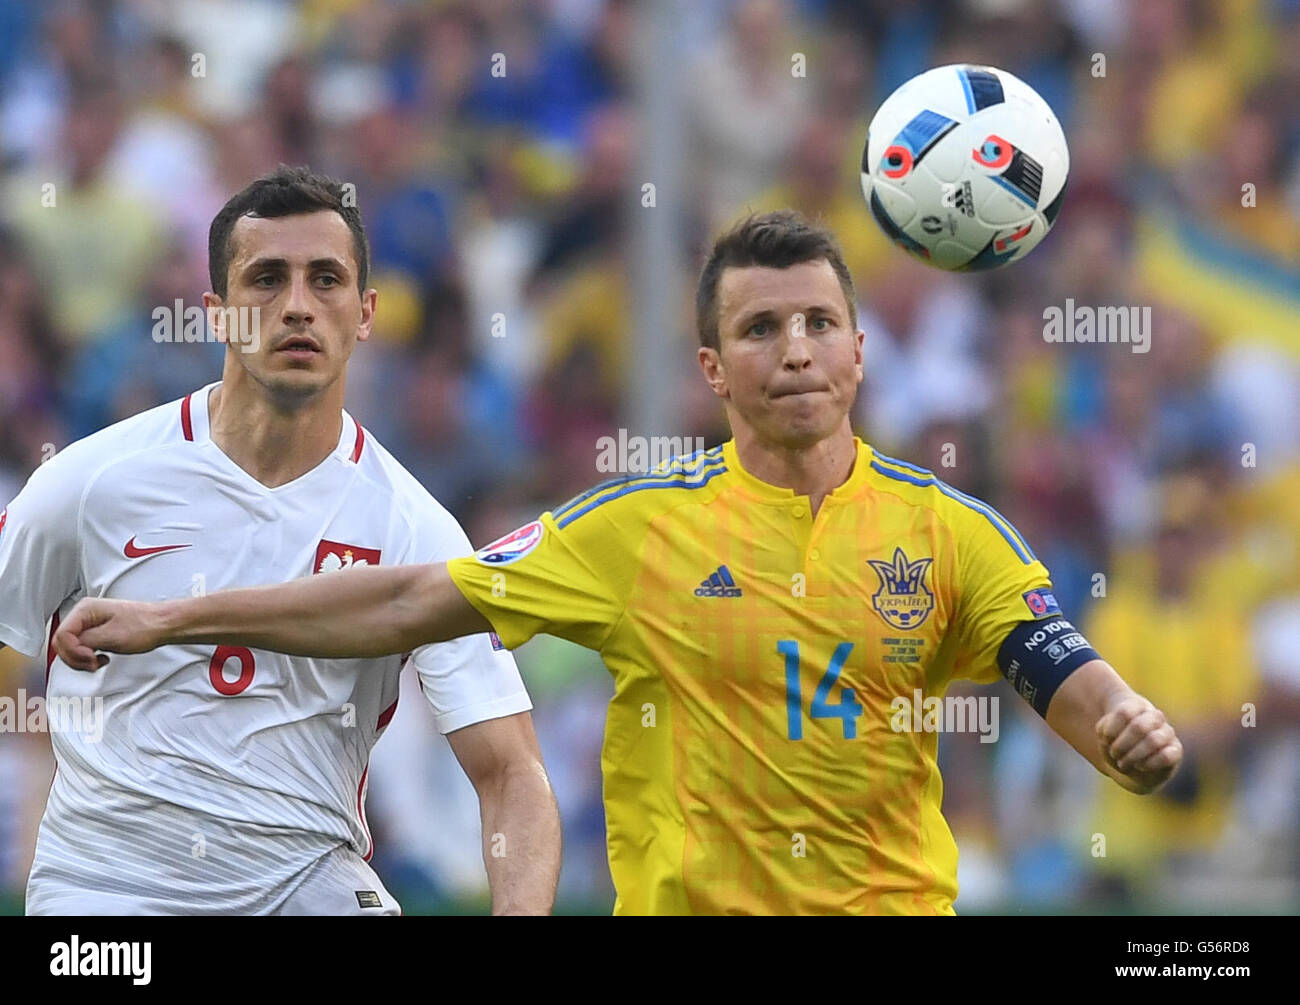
495	147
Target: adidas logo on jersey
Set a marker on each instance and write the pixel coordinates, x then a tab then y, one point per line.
719	584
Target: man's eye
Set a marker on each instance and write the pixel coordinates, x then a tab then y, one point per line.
759	328
333	280
264	281
825	322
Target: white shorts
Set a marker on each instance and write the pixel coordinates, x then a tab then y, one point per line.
341	883
338	883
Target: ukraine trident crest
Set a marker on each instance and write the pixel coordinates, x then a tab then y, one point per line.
902	600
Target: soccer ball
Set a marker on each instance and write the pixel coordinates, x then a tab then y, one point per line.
965	167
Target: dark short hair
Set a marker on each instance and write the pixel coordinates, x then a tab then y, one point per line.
775	240
286	191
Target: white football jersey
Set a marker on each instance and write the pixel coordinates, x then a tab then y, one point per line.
217	776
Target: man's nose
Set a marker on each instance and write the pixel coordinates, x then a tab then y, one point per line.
797	354
298	306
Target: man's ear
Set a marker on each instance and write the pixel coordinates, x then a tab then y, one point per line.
369	303
714	372
212	305
857	353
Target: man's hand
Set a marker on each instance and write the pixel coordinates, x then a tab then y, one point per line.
1139	744
1122	735
120	626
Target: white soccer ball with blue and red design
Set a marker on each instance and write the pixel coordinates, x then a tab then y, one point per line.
965	167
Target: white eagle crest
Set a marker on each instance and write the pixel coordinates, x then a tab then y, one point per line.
332	563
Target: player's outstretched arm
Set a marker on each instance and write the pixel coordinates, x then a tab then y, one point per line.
365	612
1121	733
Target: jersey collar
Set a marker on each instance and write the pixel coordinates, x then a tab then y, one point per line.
759	489
352	438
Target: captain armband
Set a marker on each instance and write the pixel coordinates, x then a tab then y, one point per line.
1038	655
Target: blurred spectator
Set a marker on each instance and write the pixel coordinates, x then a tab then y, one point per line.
1177	45
746	106
1122	451
240	41
920	355
126	370
31	356
1192	656
587	226
438	443
164	154
407	218
499	250
1270	804
42	78
92	241
822	178
286	103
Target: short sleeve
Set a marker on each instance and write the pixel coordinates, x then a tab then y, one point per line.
40	563
470	679
547	578
1001	583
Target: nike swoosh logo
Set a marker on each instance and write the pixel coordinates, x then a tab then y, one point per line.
132	550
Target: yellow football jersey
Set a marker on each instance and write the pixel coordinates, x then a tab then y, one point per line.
750	759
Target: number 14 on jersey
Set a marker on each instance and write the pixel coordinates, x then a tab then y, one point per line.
846	709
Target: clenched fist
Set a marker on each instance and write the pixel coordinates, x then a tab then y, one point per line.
116	626
1139	743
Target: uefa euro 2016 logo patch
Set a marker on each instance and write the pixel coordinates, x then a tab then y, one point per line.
513	546
903	599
